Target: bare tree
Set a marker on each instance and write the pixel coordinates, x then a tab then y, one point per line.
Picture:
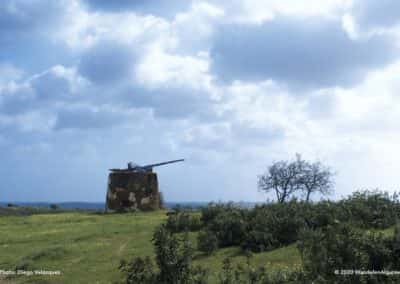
281	177
289	177
315	177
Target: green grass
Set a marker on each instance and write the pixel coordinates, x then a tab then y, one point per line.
87	248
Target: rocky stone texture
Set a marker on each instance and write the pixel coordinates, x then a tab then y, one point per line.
129	191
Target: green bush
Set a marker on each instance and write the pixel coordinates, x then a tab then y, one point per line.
259	241
329	250
174	258
179	221
371	209
274	225
174	255
207	242
230	227
395	247
54	206
212	210
330	236
247	274
139	270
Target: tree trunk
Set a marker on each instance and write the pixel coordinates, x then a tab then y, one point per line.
308	196
283	197
278	195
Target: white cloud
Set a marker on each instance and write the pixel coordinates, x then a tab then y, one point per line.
256	12
159	68
138	86
83	29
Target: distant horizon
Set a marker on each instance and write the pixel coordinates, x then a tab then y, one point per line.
269	197
103	202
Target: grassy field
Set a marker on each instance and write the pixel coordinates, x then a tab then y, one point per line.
87	247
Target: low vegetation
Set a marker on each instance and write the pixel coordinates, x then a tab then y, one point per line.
332	238
88	247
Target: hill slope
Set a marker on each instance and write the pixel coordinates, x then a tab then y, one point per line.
87	248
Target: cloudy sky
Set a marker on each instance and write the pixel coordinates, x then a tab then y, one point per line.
87	85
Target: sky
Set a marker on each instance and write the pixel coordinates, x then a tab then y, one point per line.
231	86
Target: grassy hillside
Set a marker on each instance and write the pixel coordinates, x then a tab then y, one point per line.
87	248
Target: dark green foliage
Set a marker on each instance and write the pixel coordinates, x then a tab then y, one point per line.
371	209
322	214
227	221
242	273
327	251
230	227
228	275
330	236
207	242
259	241
139	270
273	225
247	274
396	246
17	210
199	275
54	206
174	255
212	210
259	229
179	221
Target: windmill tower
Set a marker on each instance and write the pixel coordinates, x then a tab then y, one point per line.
134	188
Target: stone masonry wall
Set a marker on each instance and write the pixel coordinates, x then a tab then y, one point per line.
129	191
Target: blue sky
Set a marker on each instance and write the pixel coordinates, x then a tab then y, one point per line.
88	85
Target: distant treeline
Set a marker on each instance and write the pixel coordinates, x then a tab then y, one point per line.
12	209
101	205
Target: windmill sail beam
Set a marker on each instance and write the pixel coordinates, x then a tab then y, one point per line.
146	168
161	164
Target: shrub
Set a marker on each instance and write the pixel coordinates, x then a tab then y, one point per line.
174	257
54	206
259	241
321	214
371	209
212	210
395	248
342	247
139	270
228	275
179	221
273	225
229	227
195	223
244	274
207	242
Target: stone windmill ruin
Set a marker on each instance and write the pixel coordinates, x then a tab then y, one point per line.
134	188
